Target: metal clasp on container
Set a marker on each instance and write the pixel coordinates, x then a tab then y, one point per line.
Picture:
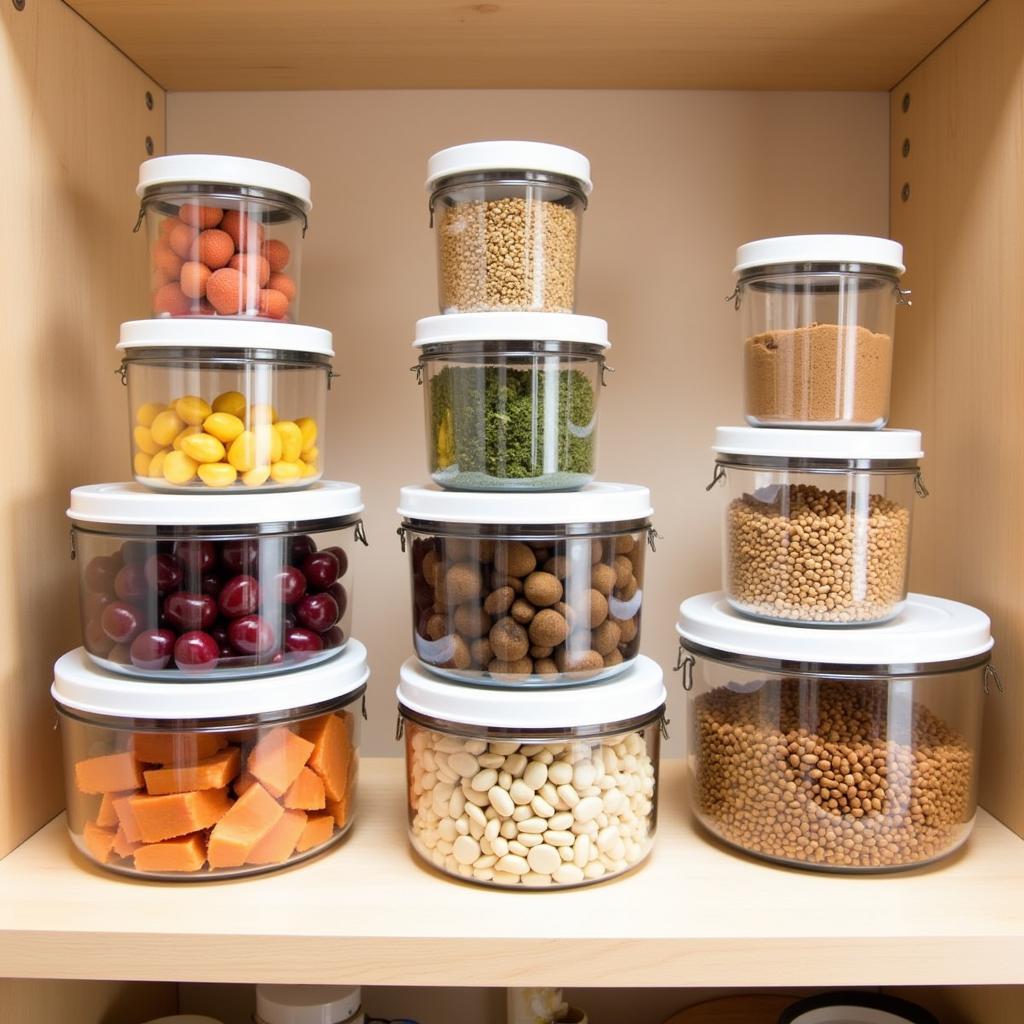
305	224
366	717
605	370
401	536
717	478
399	727
142	217
735	297
919	487
903	296
418	370
74	544
663	723
360	534
991	675
330	376
685	663
122	372
652	536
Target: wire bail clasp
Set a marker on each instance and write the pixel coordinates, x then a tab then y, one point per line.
992	676
663	723
142	217
734	298
122	372
605	370
717	478
685	663
919	487
360	534
652	536
399	727
418	370
401	536
903	296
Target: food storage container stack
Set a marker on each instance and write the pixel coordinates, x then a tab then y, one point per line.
210	721
532	722
835	718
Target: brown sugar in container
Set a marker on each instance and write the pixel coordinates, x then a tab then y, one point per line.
852	752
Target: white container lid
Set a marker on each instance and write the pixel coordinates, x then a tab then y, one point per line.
594	503
79	684
129	504
929	630
856	1008
307	1004
224	332
638	691
772	443
789	249
509	156
456	327
207	169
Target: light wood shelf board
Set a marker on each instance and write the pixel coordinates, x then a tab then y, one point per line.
367	912
576	44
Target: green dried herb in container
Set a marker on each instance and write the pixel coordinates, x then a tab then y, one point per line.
504	428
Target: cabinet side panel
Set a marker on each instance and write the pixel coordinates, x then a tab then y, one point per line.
75	121
958	207
85	1002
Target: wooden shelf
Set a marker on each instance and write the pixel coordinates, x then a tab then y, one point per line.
367	912
516	44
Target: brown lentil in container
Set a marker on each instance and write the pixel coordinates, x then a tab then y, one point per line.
818	777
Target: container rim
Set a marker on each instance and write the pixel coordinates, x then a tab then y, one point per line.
451	328
221	332
825	248
509	155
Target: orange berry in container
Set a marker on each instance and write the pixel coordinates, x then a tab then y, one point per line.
225	291
254	267
172	300
214	248
201	216
167	225
277	253
246	233
194	276
181	238
273	304
166	260
284	284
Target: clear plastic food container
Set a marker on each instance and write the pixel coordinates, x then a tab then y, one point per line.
309	1004
214	587
511	399
189	781
226	404
225	235
844	751
538	590
532	790
818	314
856	1008
507	217
817	527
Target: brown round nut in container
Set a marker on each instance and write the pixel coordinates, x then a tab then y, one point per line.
836	764
553	597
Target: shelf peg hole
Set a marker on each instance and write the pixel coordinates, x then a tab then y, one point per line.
905	191
149	144
906	147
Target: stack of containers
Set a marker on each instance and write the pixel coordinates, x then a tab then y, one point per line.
532	723
210	722
834	718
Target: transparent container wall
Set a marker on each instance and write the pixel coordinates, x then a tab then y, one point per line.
507	246
817	348
224	801
828	549
184	605
527	613
532	812
854	774
223	255
226	422
511	421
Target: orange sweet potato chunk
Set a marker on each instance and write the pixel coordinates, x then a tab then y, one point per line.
126	818
319	828
338	809
306	793
109	773
332	752
279	843
278	758
251	817
106	816
209	773
98	841
176	747
186	853
123	847
177	814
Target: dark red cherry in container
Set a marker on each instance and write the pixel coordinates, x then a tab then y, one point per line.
288	584
239	596
210	583
302	641
252	635
220	634
152	649
317	612
302	547
163	573
136	551
121	622
333	637
100	573
197	556
189	611
340	595
240	556
130	583
196	651
339	554
321	570
96	641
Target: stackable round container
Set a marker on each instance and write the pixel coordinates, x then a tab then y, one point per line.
856	1008
542	591
225	404
507	216
190	781
511	399
225	235
308	1004
213	586
535	790
850	751
817	527
818	314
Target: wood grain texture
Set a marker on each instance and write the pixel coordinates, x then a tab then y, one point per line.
959	357
369	913
568	44
75	120
84	1002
